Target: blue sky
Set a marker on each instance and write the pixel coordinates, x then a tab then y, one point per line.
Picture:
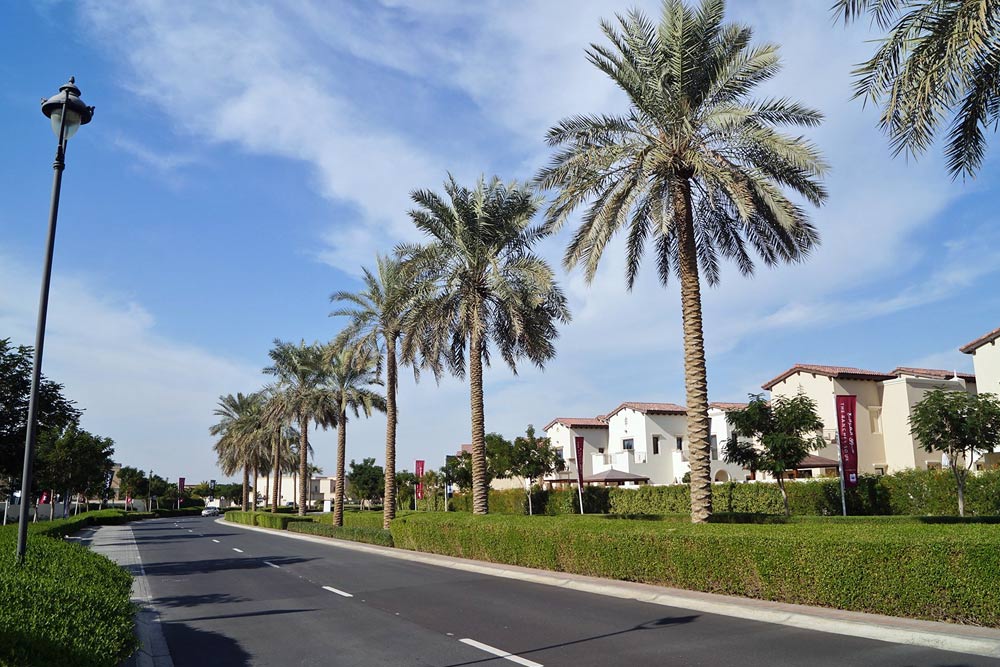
247	158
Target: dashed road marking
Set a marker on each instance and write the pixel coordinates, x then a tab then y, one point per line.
267	562
338	591
216	541
506	655
239	551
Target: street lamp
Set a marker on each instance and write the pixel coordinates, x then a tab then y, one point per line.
67	112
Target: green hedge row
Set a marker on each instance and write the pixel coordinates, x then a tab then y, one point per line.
67	605
354	533
941	572
265	519
909	492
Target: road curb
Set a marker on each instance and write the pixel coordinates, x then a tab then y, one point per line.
972	640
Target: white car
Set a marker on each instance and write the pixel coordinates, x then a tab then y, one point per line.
210	511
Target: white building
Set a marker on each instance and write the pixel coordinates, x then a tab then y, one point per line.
884	404
564	433
643	439
985	353
320	488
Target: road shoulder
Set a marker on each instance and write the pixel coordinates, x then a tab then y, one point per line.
118	544
943	636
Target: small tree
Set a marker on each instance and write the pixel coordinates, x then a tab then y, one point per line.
959	425
366	479
532	458
774	436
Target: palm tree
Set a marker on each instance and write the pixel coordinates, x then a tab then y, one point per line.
283	457
938	63
302	395
376	318
481	285
695	163
352	372
242	439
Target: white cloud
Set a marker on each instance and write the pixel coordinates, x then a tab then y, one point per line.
152	395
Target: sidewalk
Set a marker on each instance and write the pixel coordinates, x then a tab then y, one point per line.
118	544
944	636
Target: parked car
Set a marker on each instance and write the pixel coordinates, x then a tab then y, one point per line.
210	511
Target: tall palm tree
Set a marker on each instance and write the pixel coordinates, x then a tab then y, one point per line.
353	373
376	318
303	395
242	438
483	286
938	63
694	163
283	457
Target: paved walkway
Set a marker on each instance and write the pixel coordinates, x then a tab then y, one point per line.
118	544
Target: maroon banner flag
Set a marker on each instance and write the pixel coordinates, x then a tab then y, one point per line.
579	460
420	473
846	411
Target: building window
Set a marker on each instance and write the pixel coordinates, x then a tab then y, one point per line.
680	443
628	444
715	447
600	450
875	415
880	470
804	474
933	465
656	445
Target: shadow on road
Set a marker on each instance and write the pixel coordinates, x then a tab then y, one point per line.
191	646
664	622
184	568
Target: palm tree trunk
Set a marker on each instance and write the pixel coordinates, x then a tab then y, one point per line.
253	497
695	377
389	502
480	491
267	487
303	464
338	509
277	472
246	483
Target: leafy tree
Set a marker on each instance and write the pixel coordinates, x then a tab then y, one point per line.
484	286
939	63
960	425
132	481
302	395
377	317
367	479
405	481
695	167
55	411
352	376
774	436
532	458
74	461
499	453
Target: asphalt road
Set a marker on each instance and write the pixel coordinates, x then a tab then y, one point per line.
229	597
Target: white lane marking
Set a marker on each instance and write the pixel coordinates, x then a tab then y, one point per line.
502	654
216	541
338	592
190	531
267	562
239	551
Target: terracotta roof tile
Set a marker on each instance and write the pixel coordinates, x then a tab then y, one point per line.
650	408
934	373
726	407
841	372
969	348
578	422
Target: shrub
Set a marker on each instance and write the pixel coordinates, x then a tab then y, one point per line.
67	605
240	517
354	533
876	565
277	521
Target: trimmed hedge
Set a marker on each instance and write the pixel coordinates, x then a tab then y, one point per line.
67	605
901	568
354	533
561	501
265	519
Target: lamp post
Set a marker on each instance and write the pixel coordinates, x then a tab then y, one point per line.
67	112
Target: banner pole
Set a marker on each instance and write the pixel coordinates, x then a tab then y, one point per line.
840	469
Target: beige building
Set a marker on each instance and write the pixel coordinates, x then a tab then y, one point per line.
884	404
320	488
985	352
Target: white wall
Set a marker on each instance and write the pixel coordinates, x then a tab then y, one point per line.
563	438
986	361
